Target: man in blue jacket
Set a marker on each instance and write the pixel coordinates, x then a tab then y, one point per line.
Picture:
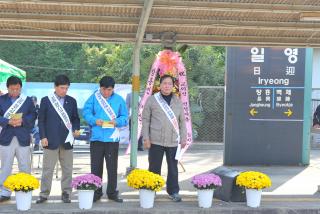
17	116
105	111
58	124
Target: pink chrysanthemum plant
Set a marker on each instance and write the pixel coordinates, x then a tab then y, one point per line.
86	182
206	181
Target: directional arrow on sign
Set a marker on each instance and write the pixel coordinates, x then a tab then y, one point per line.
288	113
253	112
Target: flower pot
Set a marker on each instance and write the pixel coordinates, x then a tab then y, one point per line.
23	200
85	198
146	198
205	197
253	197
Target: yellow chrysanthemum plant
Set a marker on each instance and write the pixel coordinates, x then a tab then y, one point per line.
21	182
144	179
253	180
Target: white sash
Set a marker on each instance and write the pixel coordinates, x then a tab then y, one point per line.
63	115
169	113
110	113
15	106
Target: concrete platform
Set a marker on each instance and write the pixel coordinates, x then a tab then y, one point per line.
294	189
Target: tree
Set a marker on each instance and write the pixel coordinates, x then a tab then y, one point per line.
44	60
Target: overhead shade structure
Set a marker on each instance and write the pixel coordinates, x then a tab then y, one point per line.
7	70
283	23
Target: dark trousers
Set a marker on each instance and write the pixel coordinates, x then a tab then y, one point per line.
108	151
155	161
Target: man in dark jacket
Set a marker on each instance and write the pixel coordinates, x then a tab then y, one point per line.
17	116
35	130
316	118
58	123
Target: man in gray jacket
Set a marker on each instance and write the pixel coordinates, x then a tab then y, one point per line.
163	128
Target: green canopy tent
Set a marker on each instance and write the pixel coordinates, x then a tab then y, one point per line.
7	70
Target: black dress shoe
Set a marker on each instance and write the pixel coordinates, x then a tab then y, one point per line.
116	199
96	197
41	200
65	197
4	198
36	147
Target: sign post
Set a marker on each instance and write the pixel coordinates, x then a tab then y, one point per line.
265	106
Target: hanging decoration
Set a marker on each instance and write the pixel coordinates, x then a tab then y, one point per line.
170	63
